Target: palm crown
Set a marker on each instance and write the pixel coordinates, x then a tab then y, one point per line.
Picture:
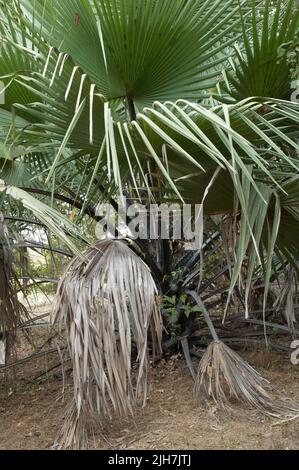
104	88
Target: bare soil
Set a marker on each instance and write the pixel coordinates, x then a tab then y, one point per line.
31	409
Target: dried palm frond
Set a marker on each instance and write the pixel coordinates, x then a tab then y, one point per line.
12	312
223	372
74	431
223	375
106	301
285	299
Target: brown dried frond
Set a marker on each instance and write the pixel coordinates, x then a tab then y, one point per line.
106	301
223	375
12	311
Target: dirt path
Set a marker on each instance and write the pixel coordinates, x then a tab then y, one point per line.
30	415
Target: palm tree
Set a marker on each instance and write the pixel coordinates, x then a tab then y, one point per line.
175	100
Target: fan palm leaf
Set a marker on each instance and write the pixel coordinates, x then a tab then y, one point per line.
259	69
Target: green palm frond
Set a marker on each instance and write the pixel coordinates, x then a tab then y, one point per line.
259	68
102	38
51	218
73	123
17	53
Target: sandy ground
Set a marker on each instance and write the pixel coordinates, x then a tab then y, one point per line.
31	410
